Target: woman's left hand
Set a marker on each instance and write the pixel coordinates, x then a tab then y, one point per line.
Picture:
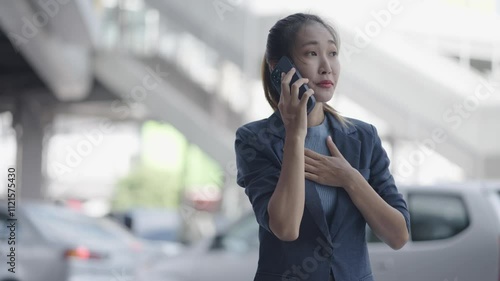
328	170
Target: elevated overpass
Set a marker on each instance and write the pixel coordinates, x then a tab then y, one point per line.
416	93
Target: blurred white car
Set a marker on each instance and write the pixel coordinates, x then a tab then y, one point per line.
230	255
455	234
55	243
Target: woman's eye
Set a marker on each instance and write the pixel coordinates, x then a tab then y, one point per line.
314	53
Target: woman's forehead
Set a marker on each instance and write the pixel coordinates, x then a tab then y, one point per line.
313	32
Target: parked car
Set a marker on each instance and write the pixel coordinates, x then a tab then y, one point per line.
230	255
55	243
159	229
455	235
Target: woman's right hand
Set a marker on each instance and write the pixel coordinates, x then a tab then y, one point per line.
294	111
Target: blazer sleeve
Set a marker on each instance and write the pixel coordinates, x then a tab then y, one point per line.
257	172
383	182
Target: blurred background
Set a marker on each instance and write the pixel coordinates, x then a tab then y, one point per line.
124	111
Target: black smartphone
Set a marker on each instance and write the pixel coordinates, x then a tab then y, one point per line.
284	65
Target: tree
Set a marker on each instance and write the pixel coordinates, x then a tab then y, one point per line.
147	186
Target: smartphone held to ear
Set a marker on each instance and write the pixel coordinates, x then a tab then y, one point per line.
284	65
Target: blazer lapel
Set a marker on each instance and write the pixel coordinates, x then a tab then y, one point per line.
350	148
313	204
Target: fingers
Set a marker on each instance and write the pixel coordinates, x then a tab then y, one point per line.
285	82
310	168
311	176
291	90
310	163
333	148
294	88
305	97
311	154
282	96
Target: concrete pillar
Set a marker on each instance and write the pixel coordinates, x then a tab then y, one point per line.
30	118
491	168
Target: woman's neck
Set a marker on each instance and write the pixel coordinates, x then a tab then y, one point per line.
316	116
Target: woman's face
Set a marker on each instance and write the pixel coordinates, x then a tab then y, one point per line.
315	56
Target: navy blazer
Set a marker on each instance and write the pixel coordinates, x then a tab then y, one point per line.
337	246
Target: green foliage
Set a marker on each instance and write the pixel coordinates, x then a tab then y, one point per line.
202	169
169	164
147	186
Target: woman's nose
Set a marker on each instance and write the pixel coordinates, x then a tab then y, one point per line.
325	70
325	67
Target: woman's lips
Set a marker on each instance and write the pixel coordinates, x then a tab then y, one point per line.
325	85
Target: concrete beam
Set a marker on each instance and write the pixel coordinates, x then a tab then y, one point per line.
64	67
134	83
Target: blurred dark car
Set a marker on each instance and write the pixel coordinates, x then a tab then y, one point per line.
56	243
158	228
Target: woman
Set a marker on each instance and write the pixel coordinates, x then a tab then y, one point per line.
315	180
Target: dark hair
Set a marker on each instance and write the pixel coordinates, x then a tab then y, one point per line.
280	42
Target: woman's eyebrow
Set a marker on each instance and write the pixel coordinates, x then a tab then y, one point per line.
314	42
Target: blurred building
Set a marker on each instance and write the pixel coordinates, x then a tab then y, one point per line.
79	78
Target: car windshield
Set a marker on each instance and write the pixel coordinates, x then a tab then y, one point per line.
243	235
62	224
157	224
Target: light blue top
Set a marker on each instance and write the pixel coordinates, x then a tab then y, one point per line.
316	141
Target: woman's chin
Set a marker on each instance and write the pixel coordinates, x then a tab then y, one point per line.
323	97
